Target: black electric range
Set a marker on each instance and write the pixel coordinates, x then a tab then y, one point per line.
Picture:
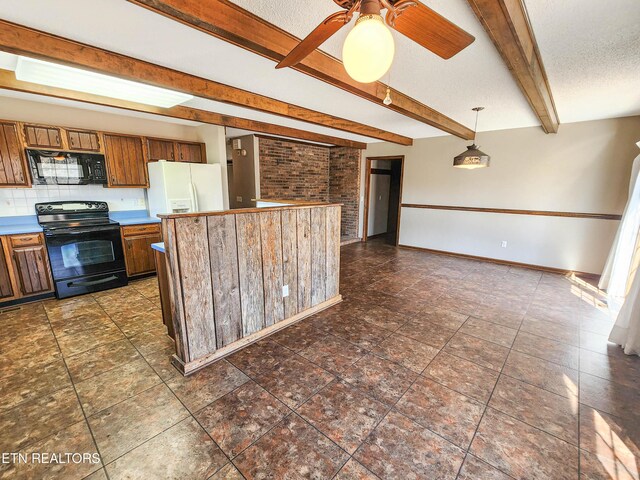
84	246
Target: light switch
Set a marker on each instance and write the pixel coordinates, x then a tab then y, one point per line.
285	291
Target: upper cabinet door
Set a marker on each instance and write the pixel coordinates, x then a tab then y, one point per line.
84	140
126	164
158	149
13	163
40	136
191	152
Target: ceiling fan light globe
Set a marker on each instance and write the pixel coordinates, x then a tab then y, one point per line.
368	50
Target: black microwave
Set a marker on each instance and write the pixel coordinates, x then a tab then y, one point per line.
66	168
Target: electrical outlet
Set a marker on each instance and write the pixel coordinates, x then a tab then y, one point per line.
504	244
285	291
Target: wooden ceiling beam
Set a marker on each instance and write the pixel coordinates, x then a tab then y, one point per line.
26	41
8	81
227	21
507	23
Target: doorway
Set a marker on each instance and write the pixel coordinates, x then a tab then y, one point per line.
383	198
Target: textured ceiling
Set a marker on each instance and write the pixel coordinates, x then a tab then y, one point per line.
591	52
476	76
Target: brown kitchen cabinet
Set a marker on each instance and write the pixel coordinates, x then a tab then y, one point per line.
42	136
83	140
159	149
136	242
190	152
28	255
13	163
7	283
126	163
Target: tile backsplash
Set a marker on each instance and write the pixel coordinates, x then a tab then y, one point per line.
21	201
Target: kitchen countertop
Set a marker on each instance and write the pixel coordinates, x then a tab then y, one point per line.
29	223
158	246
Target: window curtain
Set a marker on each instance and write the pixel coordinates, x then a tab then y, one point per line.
619	277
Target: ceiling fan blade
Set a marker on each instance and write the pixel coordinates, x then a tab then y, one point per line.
429	29
322	32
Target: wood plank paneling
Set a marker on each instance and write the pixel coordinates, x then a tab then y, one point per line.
195	275
250	272
318	255
333	251
304	258
223	255
290	261
271	240
175	288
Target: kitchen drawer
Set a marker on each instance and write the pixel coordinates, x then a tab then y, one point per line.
27	240
147	229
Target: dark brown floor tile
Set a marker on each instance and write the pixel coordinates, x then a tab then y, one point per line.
36	419
294	380
150	342
475	469
522	451
75	438
462	376
359	332
33	382
450	414
547	411
184	451
292	449
132	422
596	325
549	376
333	354
379	378
400	448
239	418
298	336
622	369
546	349
605	467
407	352
381	317
598	343
476	350
343	414
501	317
555	331
489	331
354	470
445	318
609	397
115	385
430	333
611	438
228	472
100	359
262	355
203	387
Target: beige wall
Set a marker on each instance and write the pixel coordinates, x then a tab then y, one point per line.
585	167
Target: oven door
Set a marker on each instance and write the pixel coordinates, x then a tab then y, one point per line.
84	251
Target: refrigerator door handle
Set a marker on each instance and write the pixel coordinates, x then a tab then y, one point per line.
194	197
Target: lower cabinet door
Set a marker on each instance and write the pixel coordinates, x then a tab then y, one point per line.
32	270
139	254
6	283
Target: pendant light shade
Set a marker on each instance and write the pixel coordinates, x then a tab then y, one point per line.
368	50
473	157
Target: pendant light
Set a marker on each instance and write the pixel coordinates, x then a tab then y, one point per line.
473	157
369	48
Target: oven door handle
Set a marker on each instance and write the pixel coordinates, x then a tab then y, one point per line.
92	282
75	231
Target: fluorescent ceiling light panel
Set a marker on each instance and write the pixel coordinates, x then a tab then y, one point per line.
61	76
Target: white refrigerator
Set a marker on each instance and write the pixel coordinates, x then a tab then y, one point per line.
176	187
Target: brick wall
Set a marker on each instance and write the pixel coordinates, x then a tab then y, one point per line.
344	186
293	170
301	171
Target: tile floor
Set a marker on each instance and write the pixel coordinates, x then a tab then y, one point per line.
433	367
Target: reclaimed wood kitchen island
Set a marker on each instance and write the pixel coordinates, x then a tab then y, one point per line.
237	276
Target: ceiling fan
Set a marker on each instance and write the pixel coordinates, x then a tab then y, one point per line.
368	50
